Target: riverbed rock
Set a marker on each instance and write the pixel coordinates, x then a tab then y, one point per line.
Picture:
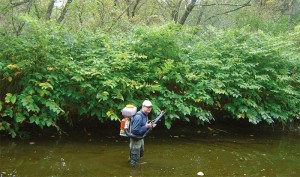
200	173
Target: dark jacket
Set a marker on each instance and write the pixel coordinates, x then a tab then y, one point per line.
138	123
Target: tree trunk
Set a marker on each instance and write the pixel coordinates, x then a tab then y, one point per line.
175	11
187	12
50	10
64	11
134	8
128	8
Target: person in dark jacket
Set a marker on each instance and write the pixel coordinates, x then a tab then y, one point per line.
139	126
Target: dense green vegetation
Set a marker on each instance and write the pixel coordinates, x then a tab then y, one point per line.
50	73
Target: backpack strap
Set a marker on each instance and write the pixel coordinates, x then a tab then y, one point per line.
128	131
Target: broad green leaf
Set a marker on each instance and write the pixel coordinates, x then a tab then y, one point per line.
112	115
20	117
53	107
10	98
28	102
168	124
78	78
49	122
46	85
8	112
13	133
102	96
34	119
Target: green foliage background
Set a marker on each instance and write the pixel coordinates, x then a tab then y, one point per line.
50	73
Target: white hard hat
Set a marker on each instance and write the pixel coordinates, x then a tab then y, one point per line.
147	103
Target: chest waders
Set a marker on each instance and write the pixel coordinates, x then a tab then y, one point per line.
136	150
137	142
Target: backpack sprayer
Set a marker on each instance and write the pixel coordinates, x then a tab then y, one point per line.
128	112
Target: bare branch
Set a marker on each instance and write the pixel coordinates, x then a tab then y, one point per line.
17	27
224	4
227	12
119	17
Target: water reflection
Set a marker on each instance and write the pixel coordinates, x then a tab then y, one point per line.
167	154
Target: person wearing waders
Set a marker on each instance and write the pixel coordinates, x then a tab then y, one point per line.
139	126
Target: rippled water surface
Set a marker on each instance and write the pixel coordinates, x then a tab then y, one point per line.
214	152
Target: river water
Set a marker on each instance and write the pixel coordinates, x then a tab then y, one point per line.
209	151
